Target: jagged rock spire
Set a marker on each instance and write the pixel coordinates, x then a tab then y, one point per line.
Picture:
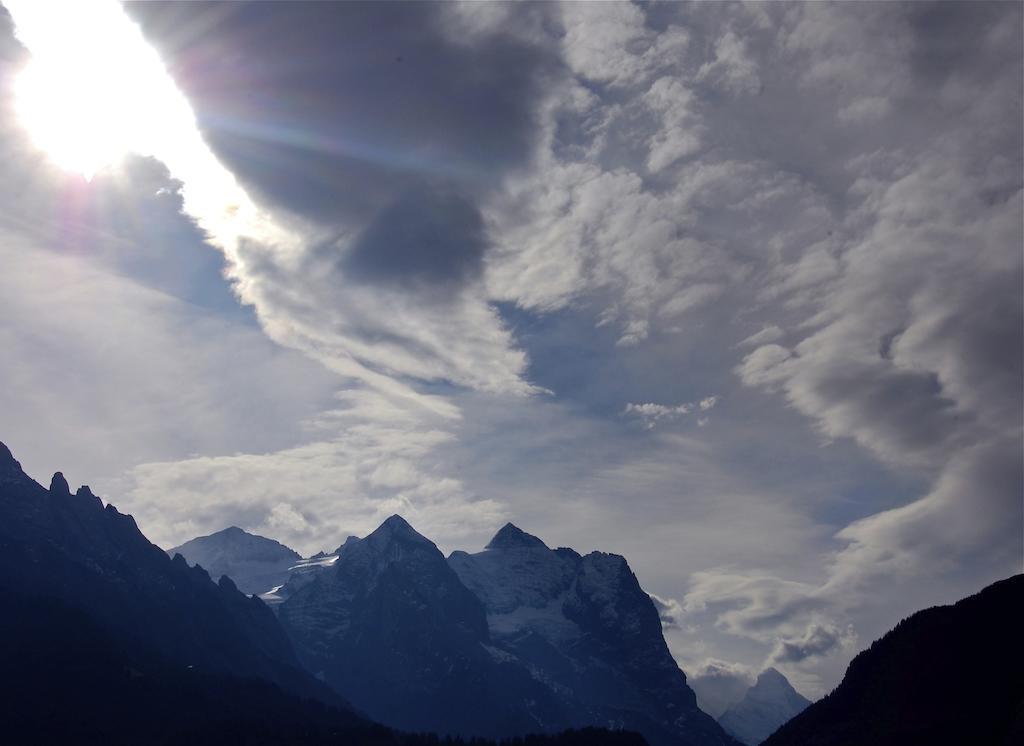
59	485
86	493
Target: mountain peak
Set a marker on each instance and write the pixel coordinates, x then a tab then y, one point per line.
771	676
349	541
85	492
59	485
769	703
772	685
397	527
239	540
512	537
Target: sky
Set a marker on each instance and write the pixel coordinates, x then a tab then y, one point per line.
732	290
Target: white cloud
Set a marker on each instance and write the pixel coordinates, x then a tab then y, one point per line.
679	133
121	373
375	457
770	333
669	610
732	69
652	414
610	42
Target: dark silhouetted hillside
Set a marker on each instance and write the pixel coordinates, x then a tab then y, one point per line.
946	675
70	547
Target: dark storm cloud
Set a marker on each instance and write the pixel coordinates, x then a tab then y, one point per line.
946	35
433	236
334	109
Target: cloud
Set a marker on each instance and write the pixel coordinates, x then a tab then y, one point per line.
376	463
125	373
679	133
669	610
612	44
652	414
719	684
817	640
732	69
915	399
377	274
753	606
428	236
770	333
433	101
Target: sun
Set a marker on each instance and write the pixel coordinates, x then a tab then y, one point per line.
86	97
93	91
75	122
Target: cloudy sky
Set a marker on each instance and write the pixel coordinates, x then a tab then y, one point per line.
733	290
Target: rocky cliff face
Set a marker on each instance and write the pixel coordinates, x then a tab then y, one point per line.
584	627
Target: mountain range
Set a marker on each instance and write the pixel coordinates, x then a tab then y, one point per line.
105	639
545	638
518	638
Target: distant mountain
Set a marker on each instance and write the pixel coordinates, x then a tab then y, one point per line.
517	638
718	687
70	548
256	564
769	703
946	675
584	627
